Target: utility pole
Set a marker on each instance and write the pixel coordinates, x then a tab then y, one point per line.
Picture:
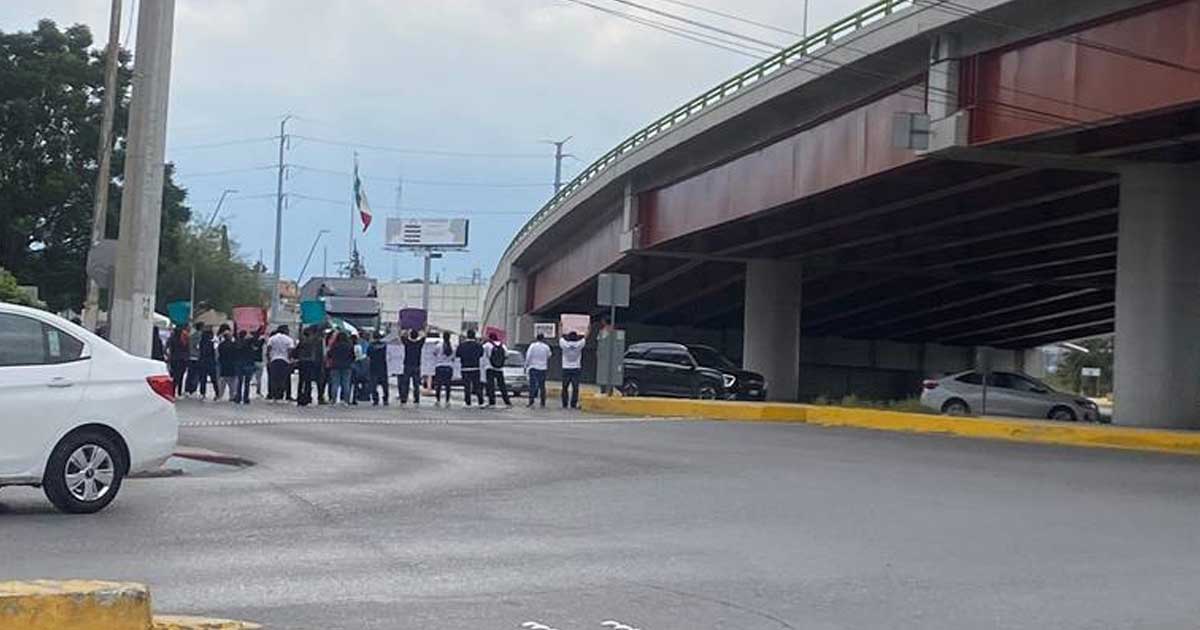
91	308
558	158
278	221
136	284
429	256
396	215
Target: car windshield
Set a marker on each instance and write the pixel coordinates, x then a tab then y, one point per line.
514	360
709	358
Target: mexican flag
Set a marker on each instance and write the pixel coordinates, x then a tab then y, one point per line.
360	200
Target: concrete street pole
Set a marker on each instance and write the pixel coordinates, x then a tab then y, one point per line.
91	309
278	222
136	281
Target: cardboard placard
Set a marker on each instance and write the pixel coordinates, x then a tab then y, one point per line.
569	322
413	318
249	318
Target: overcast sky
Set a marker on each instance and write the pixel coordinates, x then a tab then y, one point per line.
476	76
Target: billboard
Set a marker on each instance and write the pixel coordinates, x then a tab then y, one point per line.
427	232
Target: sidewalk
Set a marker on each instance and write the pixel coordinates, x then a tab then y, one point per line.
993	428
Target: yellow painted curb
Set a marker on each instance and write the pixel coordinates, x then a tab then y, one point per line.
183	622
75	604
1013	430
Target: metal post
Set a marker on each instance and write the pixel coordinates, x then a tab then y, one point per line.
278	222
308	258
91	308
192	296
425	284
141	205
612	349
558	158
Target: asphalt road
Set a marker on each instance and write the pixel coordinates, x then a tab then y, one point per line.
456	519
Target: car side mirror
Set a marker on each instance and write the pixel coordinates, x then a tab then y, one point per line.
1040	390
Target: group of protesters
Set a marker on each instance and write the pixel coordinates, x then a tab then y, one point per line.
196	357
335	366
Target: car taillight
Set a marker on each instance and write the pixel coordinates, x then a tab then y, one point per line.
163	386
929	384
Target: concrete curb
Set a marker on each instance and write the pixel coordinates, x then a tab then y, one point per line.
83	604
205	455
92	605
183	622
1012	430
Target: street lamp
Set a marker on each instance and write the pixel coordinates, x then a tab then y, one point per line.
310	254
207	227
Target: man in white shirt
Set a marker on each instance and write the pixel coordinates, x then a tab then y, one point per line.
279	367
572	363
537	361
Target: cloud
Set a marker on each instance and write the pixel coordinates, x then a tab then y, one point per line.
466	75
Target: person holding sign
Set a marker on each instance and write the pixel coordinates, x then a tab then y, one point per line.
414	344
572	366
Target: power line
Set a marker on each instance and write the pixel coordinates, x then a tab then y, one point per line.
412	151
342	202
733	17
686	20
227	143
695	36
425	182
229	171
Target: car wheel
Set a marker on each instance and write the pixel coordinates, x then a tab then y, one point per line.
631	388
707	392
84	473
1062	414
956	407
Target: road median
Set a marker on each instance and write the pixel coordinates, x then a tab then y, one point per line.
1008	429
92	605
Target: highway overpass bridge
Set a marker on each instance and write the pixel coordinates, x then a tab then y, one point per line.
774	216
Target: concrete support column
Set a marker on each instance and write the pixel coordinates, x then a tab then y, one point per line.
514	302
136	277
1157	353
771	339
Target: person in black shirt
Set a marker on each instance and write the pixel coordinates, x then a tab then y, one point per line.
244	351
308	356
414	345
208	365
378	368
341	359
177	357
229	357
469	353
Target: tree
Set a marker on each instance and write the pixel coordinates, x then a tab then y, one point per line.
1068	375
12	292
51	89
222	281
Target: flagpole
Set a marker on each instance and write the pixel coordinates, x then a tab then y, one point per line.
353	205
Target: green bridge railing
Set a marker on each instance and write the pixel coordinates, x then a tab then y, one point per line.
780	60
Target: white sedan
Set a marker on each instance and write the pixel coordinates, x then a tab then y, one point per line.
77	414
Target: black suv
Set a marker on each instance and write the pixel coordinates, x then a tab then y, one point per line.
672	369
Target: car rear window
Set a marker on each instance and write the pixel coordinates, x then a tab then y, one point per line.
973	378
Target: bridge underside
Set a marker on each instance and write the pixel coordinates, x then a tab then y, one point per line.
955	252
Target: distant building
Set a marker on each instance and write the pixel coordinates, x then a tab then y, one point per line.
450	304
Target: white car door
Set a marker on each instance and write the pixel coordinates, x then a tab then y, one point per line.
42	377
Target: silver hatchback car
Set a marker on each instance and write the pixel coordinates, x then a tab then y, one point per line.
1008	394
